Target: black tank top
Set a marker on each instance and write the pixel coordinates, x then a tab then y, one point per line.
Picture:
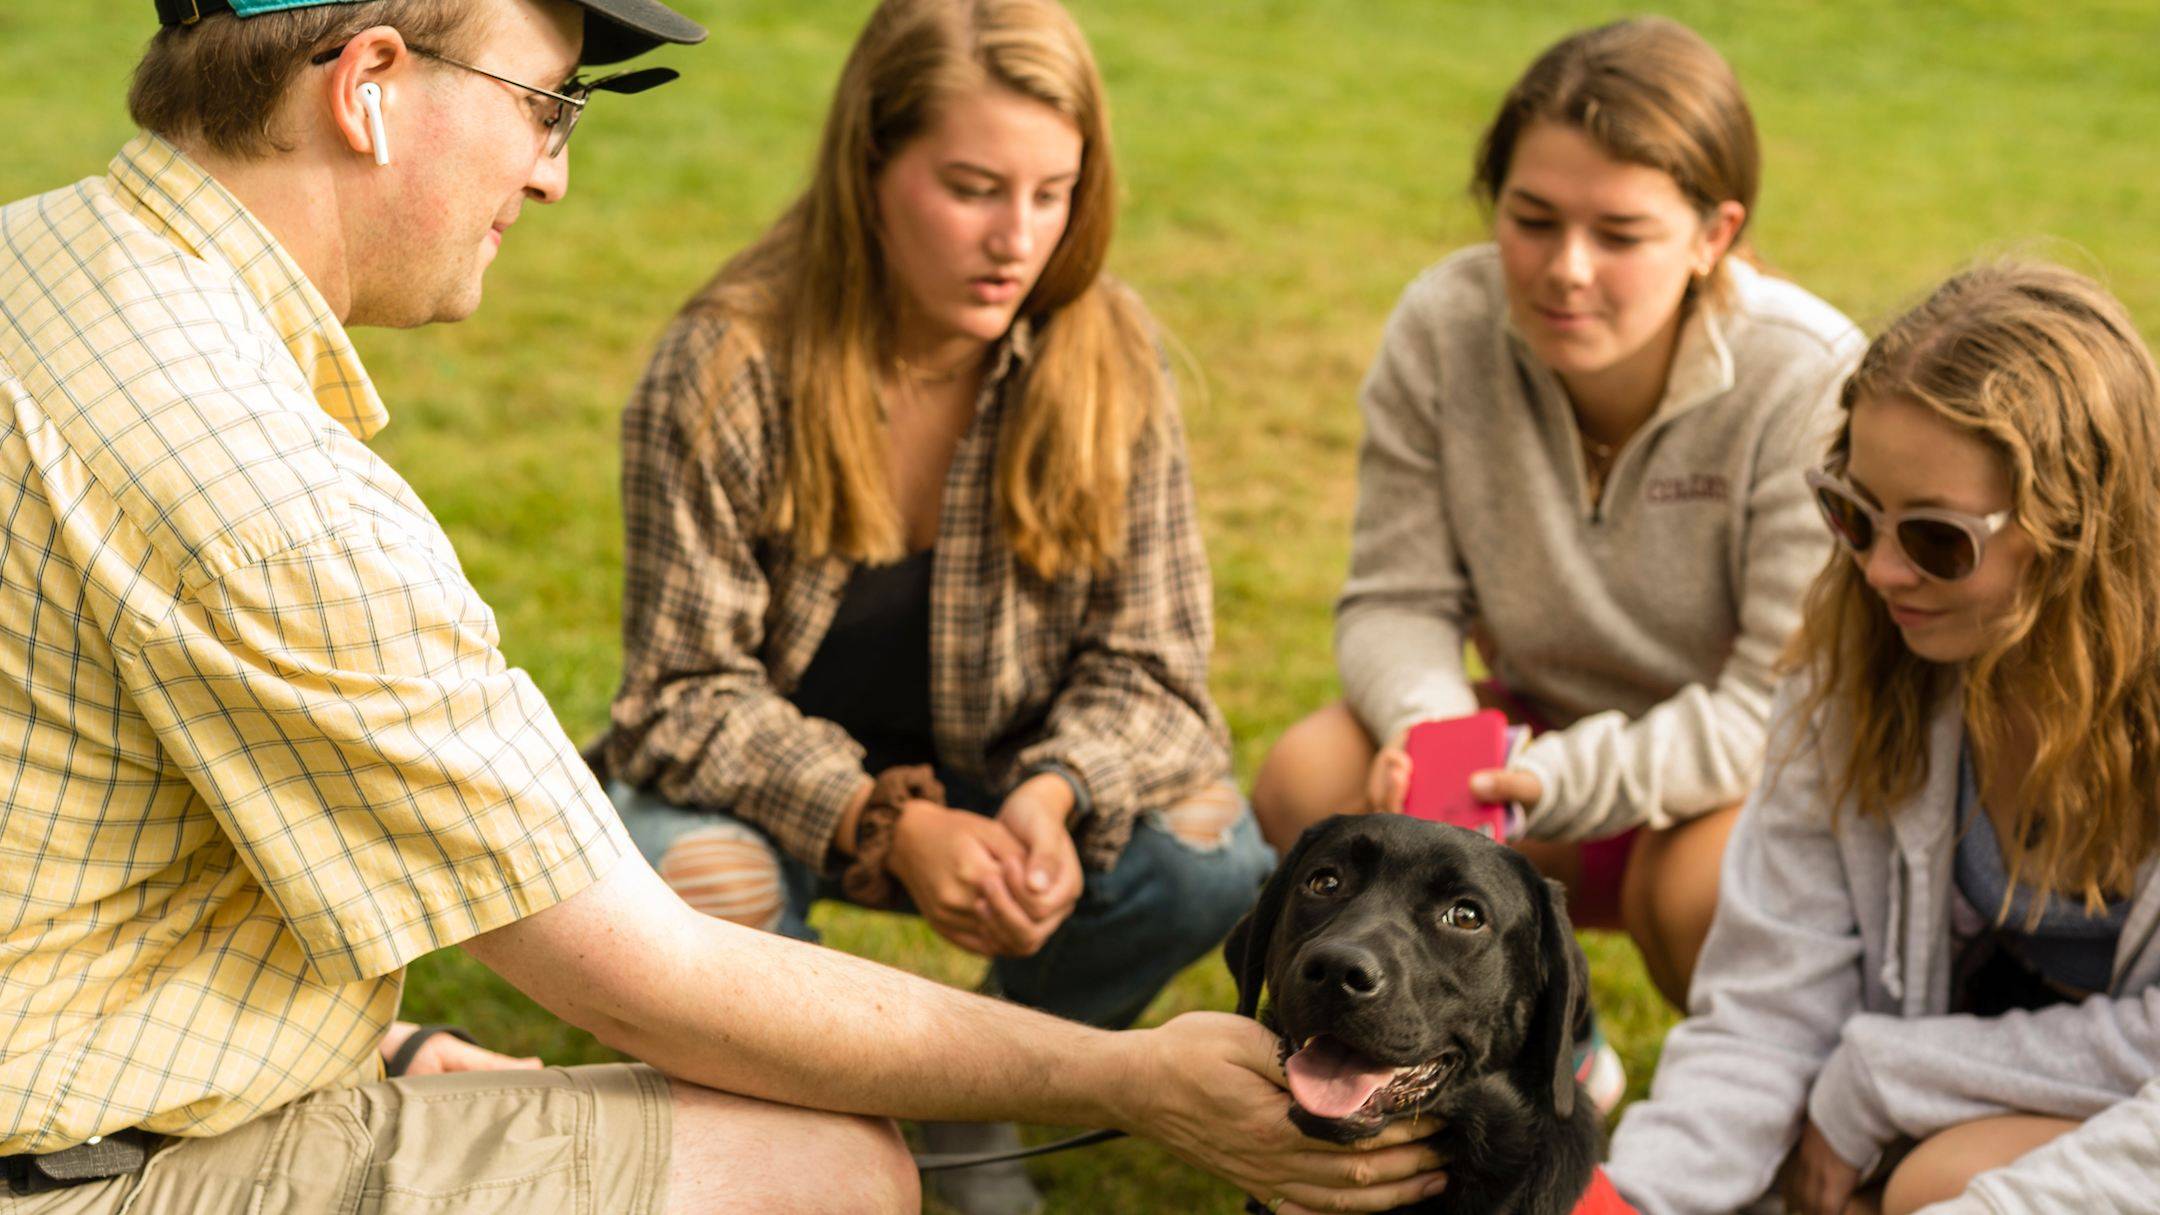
871	674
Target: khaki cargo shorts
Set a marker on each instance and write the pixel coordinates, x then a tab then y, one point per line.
562	1141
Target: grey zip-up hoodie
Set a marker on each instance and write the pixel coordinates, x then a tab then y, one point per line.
1648	627
1824	991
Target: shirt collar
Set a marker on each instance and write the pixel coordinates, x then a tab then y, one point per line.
1014	350
1702	365
174	194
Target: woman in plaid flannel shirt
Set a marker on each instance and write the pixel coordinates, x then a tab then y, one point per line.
917	611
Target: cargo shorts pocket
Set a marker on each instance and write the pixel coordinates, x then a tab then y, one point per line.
562	1141
483	1141
311	1156
578	1141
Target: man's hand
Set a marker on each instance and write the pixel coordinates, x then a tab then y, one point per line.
1033	898
1503	785
1209	1087
946	858
1387	782
446	1053
1815	1179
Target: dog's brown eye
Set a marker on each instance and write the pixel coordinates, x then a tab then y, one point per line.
1323	881
1465	915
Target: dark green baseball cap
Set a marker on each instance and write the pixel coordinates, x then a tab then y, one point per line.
615	30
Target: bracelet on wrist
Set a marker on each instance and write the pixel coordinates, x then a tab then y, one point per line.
867	881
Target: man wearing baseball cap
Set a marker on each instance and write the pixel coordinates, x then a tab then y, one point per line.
261	748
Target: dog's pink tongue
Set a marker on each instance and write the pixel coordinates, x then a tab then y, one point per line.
1332	1081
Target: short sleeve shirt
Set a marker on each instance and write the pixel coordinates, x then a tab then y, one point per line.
259	746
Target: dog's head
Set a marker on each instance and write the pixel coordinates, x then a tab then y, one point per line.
1403	959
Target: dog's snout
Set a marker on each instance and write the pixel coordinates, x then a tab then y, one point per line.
1349	970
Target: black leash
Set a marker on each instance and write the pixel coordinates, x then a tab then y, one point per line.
937	1162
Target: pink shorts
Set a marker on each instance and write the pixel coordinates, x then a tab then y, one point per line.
1595	900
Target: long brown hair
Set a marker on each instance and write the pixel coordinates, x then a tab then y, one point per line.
814	289
2048	369
1648	91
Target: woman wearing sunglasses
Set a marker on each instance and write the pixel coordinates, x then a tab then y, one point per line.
1935	951
1584	446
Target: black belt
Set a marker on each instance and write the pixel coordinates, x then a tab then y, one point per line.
106	1156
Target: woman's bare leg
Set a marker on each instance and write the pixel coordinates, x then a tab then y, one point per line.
1563	863
1315	770
1669	894
1944	1164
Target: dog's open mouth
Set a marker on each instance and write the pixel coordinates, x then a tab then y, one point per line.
1329	1079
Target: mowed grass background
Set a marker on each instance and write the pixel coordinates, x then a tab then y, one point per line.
1288	167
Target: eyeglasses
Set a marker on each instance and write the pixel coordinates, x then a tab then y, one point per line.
569	103
1945	545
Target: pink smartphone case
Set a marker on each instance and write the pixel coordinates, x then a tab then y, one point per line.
1443	754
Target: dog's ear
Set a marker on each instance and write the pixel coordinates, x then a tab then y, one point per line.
1245	952
1553	1018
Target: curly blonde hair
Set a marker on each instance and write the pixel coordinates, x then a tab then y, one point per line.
2048	369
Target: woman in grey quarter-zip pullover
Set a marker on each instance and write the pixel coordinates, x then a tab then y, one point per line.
1584	446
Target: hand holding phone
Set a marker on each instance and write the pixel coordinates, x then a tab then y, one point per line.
1445	753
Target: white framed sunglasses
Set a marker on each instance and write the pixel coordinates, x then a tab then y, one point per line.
1945	545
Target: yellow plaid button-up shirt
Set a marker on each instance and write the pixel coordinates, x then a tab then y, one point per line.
258	746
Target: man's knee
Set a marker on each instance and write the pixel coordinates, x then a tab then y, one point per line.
738	1154
886	1176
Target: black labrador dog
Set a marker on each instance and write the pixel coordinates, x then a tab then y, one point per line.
1421	969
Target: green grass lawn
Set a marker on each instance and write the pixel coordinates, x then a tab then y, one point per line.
1288	167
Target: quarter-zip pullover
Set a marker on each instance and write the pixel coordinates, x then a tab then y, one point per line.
1646	624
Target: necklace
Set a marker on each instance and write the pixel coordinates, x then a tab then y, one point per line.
1597	462
917	374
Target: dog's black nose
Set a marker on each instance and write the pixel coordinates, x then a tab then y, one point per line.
1351	970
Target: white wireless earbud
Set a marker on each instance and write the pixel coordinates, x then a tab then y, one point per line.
371	101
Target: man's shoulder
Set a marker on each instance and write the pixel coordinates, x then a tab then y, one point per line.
82	275
157	372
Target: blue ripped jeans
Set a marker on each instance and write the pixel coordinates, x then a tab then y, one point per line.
1167	902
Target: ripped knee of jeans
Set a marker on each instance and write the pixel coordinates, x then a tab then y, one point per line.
1204	820
729	872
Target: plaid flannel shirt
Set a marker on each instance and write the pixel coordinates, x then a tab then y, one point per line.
1103	674
259	747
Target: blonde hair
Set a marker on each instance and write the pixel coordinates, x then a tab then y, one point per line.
815	290
1648	91
2048	369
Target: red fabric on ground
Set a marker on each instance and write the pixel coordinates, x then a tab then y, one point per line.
1602	1199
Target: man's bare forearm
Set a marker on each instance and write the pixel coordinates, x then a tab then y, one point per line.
764	1016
